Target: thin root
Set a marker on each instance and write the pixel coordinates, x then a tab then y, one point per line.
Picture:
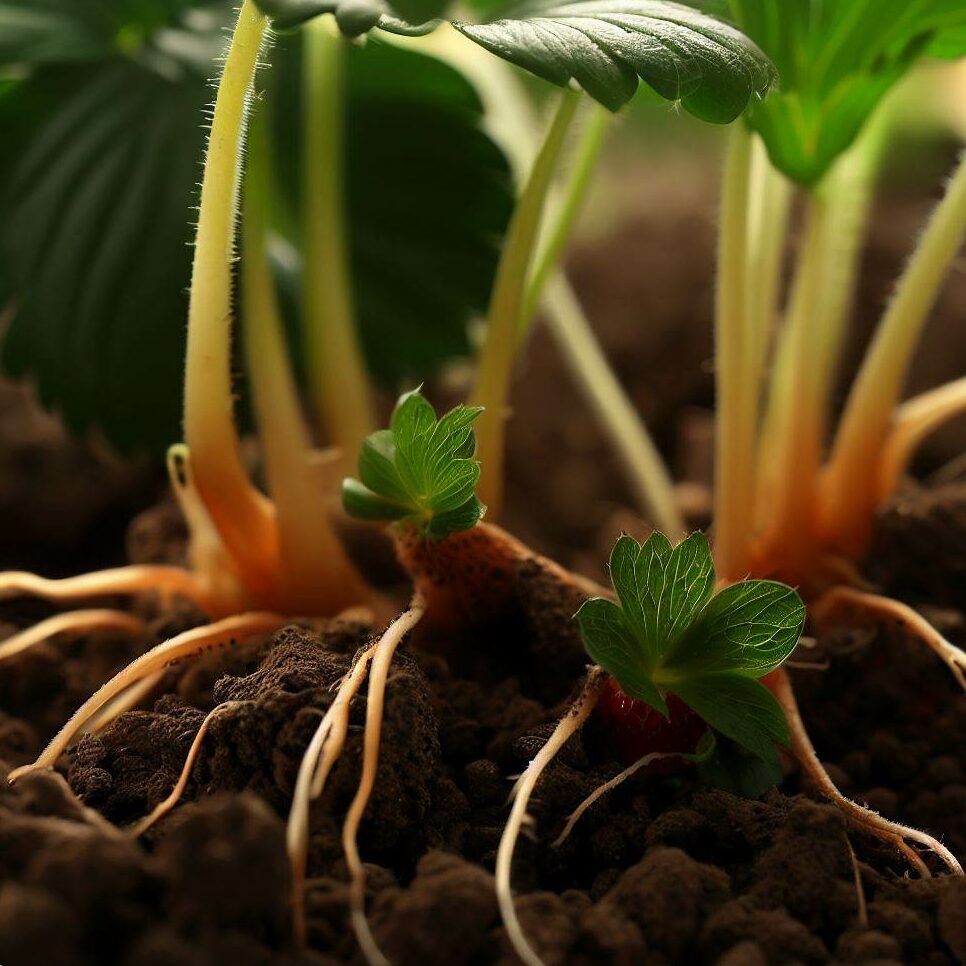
75	623
183	646
566	728
860	817
321	755
911	620
382	655
609	786
169	581
165	806
126	700
862	907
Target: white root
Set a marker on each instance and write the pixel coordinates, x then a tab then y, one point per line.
125	701
321	755
168	581
860	817
185	645
382	655
566	728
609	786
165	806
74	623
911	620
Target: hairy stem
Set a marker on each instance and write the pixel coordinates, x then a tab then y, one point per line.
844	199
339	381
849	486
564	215
240	513
506	306
736	380
644	469
315	571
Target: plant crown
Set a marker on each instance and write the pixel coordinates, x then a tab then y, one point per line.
670	633
420	471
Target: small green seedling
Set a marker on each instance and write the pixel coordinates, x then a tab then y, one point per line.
669	633
420	472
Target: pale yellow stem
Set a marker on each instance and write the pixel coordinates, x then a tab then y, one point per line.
244	518
338	377
736	349
850	484
316	576
506	306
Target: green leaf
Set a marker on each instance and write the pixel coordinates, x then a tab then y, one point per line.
355	17
421	469
98	179
607	46
612	644
750	627
363	504
734	769
63	31
837	60
741	708
662	590
670	633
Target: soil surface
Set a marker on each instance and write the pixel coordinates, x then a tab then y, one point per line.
661	870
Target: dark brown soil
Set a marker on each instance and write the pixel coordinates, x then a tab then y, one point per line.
662	870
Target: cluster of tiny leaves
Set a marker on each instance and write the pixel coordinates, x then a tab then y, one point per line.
420	471
669	632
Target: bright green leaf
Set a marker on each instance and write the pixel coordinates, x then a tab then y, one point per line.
607	46
670	633
615	647
422	466
749	628
363	504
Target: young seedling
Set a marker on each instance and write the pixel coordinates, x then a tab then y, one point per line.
686	674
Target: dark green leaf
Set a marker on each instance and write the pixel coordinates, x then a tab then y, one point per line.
615	647
741	708
750	627
464	517
671	634
422	465
354	17
607	46
98	177
836	62
65	31
734	769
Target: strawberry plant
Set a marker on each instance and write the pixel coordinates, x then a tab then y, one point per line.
687	659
